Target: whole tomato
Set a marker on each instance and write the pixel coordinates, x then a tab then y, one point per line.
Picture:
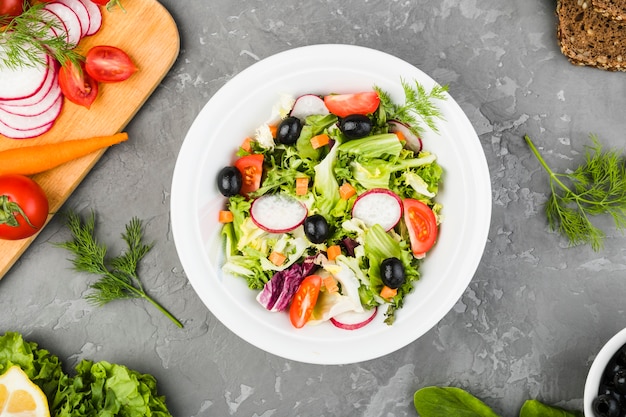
23	207
11	7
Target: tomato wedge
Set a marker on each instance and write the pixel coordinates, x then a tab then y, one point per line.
304	300
251	168
422	225
77	86
343	105
108	64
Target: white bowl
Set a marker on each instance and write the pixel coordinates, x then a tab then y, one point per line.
592	384
243	104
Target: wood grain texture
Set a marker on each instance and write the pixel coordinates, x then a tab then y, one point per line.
148	33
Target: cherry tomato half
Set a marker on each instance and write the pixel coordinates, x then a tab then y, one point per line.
304	301
108	64
251	168
422	225
11	7
77	86
23	207
343	105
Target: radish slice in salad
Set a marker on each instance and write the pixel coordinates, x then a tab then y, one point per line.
352	320
413	142
277	213
308	105
378	206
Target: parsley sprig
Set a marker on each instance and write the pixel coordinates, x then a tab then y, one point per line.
119	277
597	187
418	107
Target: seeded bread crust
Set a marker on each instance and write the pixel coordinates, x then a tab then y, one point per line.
614	9
588	38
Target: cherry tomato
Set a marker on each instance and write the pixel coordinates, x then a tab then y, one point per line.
343	105
11	7
77	86
304	300
108	64
251	168
23	207
422	225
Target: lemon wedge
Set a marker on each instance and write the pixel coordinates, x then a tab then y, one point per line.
20	397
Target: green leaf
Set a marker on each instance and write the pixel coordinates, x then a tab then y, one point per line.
450	402
534	408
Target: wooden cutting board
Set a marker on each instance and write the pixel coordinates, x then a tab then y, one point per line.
147	32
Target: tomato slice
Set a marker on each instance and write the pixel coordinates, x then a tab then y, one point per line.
77	86
343	105
251	168
422	225
108	64
304	300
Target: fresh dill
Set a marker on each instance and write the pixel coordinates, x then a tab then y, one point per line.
119	277
597	187
418	107
25	40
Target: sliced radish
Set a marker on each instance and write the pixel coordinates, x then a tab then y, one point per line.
44	118
69	19
352	320
81	12
48	88
59	27
23	82
95	16
9	132
277	213
307	105
36	108
378	206
413	142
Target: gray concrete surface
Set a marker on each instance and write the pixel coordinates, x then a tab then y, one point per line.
528	325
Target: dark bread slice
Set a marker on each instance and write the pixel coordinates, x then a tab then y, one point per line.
588	38
614	9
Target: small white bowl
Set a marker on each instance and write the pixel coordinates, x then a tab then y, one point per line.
592	384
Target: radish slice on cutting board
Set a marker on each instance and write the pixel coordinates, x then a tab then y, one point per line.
45	117
9	132
69	19
378	206
95	16
23	82
81	12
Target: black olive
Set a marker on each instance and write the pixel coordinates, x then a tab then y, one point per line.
619	381
288	131
229	181
606	406
355	126
392	272
316	228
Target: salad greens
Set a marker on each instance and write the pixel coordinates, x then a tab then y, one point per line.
97	388
377	161
451	401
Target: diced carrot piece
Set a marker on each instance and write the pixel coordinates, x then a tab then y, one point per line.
273	130
346	190
225	216
277	258
247	144
302	185
333	251
388	293
330	283
400	135
319	141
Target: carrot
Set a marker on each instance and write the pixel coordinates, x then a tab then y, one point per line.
319	140
333	251
388	293
302	185
34	159
225	216
277	258
346	191
330	283
247	145
273	130
400	135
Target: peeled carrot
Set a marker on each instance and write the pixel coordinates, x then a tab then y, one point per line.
400	135
320	140
34	159
273	130
388	293
346	191
332	252
302	185
277	258
330	283
247	145
225	216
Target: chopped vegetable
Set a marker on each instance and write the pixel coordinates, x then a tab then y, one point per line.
33	159
226	216
304	300
388	293
330	284
333	251
302	186
318	141
346	191
277	258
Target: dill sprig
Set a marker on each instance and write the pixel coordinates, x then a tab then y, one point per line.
597	187
25	40
118	276
418	107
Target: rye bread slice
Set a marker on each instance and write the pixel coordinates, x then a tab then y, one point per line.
614	9
588	38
